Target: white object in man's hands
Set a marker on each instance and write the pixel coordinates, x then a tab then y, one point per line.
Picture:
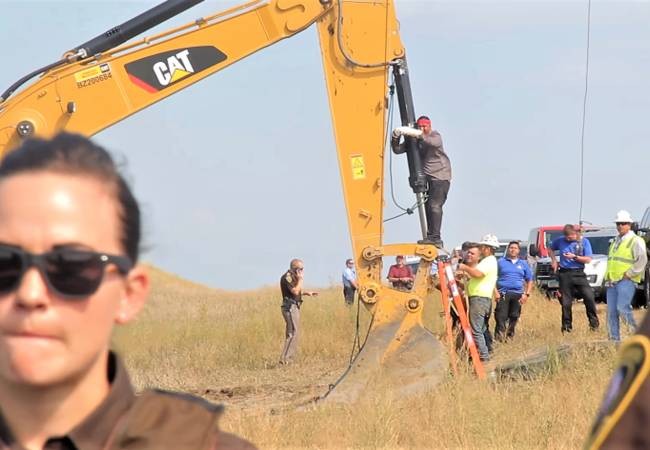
407	131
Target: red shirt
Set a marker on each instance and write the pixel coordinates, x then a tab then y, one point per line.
396	271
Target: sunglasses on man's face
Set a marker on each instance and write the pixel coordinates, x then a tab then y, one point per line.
620	224
71	274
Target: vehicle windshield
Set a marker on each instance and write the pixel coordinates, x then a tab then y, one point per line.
550	236
600	244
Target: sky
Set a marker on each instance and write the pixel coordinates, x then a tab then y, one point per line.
221	167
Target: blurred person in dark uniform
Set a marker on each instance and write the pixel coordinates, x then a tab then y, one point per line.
623	417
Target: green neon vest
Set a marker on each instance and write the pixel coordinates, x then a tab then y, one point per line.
620	260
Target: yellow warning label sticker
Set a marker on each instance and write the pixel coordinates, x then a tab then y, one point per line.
358	167
92	75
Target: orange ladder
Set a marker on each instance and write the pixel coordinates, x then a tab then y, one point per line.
448	286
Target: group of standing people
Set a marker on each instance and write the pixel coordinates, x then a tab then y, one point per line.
626	262
508	281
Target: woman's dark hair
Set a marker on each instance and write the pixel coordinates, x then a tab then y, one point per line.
77	155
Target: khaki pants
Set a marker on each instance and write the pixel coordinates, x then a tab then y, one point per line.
292	333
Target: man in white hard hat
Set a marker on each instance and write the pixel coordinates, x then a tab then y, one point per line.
480	289
626	263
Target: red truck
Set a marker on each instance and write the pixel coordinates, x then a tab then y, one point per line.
539	240
541	237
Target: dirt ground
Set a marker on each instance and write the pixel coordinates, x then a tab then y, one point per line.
279	388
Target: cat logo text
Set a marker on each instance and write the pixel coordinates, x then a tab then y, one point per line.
162	70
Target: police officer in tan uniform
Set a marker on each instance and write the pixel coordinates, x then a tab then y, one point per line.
69	237
291	288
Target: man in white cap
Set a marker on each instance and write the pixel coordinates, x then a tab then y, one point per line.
626	263
480	289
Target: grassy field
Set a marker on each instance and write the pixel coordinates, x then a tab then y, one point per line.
224	346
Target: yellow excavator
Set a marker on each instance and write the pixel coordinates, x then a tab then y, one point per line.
107	79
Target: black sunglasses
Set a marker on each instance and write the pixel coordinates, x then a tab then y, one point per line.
71	274
618	224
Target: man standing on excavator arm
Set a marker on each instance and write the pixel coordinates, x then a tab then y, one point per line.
437	168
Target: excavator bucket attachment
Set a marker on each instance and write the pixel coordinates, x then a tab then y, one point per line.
400	356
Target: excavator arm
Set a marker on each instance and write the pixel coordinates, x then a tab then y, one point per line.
73	96
98	84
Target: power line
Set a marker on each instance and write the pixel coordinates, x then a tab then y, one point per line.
584	113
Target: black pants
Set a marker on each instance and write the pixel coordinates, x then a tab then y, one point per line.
576	280
507	313
348	294
437	196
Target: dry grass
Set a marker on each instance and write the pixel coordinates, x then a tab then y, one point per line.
225	345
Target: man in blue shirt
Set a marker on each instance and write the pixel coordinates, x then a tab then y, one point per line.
575	252
350	285
514	283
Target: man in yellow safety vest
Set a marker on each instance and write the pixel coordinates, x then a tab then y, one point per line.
625	268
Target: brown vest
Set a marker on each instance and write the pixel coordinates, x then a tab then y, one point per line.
168	420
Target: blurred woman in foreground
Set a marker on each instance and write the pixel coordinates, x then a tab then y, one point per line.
69	237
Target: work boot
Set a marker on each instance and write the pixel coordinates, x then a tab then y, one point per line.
431	241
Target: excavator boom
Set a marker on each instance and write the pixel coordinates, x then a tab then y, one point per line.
97	84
